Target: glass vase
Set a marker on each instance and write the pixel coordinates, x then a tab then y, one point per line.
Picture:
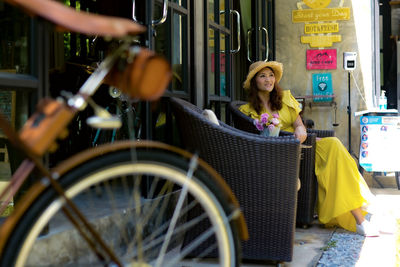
268	132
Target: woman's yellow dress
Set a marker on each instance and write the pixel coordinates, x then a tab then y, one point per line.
341	188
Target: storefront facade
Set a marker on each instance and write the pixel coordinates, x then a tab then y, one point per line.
210	45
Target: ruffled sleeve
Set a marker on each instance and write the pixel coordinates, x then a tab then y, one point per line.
248	110
291	102
289	112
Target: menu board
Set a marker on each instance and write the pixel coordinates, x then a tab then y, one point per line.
380	143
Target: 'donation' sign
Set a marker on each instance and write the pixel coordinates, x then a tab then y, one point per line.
380	143
321	59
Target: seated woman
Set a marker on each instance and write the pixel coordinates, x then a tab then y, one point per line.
342	191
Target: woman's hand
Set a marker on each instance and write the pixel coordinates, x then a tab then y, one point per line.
300	131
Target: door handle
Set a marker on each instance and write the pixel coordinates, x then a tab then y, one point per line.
233	51
153	22
238	30
164	15
249	32
266	42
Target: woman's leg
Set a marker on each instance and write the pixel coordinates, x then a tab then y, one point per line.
357	213
363	226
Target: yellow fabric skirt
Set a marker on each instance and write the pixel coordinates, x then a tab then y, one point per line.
341	188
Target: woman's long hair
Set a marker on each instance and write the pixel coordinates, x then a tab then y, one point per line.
275	97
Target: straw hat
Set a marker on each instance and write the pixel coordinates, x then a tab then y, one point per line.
277	67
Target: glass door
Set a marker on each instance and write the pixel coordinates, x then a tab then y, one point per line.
172	40
258	38
168	24
222	25
143	13
259	30
24	67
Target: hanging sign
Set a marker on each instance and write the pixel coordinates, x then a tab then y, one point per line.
322	86
321	59
380	143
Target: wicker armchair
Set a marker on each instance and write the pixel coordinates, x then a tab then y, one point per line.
308	192
262	172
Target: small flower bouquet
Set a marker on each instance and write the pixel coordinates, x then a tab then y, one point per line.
268	125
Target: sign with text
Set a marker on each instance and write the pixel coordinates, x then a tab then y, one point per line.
320	40
321	59
324	14
317	3
315	28
380	143
322	87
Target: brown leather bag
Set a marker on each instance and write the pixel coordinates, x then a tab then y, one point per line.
49	122
145	78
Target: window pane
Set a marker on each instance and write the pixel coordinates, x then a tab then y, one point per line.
223	112
14	40
17	107
172	41
224	49
211	9
177	50
14	106
180	2
211	62
266	24
224	14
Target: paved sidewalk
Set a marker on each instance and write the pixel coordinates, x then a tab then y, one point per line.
308	248
374	251
381	251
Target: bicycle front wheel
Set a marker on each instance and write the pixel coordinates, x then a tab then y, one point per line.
151	212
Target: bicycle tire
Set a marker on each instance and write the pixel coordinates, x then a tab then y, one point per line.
101	174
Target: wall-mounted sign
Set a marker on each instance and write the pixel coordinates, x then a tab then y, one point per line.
320	40
380	143
326	17
321	59
317	3
310	28
325	14
322	86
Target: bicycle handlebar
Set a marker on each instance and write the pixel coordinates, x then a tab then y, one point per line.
69	19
